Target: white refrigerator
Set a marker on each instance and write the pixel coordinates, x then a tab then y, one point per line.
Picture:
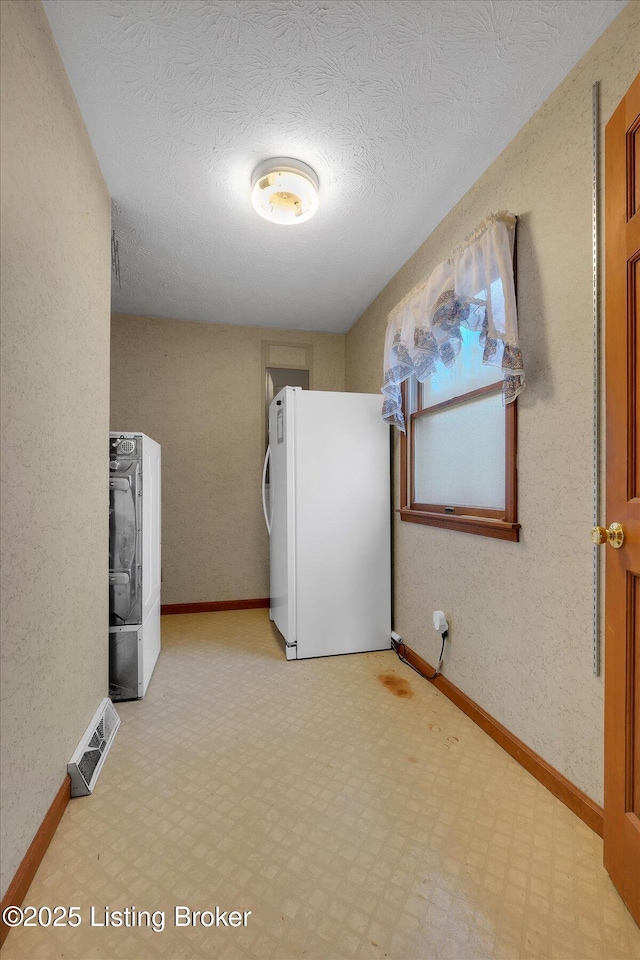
134	563
328	512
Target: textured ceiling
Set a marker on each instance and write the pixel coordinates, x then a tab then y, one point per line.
399	106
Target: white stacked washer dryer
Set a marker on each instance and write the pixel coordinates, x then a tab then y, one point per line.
134	563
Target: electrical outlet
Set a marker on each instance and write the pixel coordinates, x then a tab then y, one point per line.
440	621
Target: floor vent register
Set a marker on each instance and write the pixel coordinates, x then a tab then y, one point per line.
88	757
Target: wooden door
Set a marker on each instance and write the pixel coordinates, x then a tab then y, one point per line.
622	634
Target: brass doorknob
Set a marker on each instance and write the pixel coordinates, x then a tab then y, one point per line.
614	535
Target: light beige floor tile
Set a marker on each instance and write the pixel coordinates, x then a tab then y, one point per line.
351	822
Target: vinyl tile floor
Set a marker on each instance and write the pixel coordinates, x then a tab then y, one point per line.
349	821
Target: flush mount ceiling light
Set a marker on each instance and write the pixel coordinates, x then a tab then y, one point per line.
284	190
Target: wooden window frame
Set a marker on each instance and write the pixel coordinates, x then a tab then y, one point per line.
498	524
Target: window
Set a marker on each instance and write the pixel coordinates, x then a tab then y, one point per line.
459	452
452	371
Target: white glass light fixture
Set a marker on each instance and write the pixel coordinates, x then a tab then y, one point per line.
284	190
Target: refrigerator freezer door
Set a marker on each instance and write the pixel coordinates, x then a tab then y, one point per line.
281	495
343	548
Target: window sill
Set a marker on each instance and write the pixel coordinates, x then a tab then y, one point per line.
481	526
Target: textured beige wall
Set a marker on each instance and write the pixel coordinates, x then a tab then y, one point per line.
55	397
198	389
521	613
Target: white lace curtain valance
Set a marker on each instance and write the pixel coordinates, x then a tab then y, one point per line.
475	289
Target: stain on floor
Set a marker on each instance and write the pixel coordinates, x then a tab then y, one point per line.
395	684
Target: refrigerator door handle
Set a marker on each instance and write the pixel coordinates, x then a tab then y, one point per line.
264	489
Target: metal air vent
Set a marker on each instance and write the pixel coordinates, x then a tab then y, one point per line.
86	763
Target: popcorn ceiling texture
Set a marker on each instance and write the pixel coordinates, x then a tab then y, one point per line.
520	613
55	397
398	105
198	389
